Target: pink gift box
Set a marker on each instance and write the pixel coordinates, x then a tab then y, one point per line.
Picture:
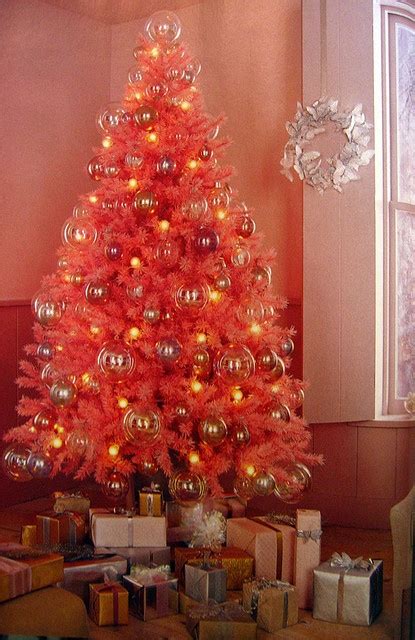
307	554
110	530
285	564
257	540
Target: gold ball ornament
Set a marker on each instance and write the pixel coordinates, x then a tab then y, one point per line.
145	202
141	425
187	487
240	435
263	483
146	117
63	393
147	467
213	431
280	412
299	482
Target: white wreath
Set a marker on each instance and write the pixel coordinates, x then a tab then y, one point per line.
343	167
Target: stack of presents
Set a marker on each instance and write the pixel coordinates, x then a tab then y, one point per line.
144	564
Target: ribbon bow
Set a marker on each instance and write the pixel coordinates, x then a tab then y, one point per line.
344	561
280	518
307	534
153	488
147	575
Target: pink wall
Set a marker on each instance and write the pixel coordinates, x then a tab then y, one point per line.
54	73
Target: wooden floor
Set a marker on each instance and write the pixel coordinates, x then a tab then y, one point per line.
356	542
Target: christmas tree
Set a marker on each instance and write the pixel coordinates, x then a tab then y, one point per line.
157	343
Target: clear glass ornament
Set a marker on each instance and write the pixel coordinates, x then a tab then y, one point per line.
141	425
251	310
14	462
39	465
187	487
195	209
168	350
192	296
80	211
47	311
299	483
206	241
234	364
97	293
263	483
110	117
79	233
116	361
163	27
213	431
45	351
242	487
63	393
240	257
135	75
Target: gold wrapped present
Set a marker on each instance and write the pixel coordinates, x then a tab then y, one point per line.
239	564
108	604
60	528
150	501
28	536
348	591
71	502
23	570
273	604
220	622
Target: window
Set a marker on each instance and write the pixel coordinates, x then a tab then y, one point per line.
398	75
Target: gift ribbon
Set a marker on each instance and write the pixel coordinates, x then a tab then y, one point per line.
115	588
280	549
264	583
309	534
280	518
146	575
19	576
345	563
226	611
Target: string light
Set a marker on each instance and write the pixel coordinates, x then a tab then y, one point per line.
201	338
59	347
185	105
192	164
138	95
58	428
113	450
57	442
275	388
154	52
122	402
107	142
164	225
237	394
134	333
133	183
221	214
250	470
152	137
86	377
32	429
215	296
196	386
94	329
135	262
194	457
255	329
93	199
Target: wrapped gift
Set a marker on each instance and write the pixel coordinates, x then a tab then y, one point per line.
108	604
348	591
110	529
285	531
153	593
307	554
79	575
258	541
60	528
178	535
273	604
139	555
150	501
75	502
28	536
229	506
23	570
239	564
220	622
205	582
178	515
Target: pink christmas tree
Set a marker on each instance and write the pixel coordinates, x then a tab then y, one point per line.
157	344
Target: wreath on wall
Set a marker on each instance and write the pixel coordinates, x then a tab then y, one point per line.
338	169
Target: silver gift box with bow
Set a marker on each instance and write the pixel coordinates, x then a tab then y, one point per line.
348	591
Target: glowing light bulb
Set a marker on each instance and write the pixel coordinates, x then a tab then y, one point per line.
32	429
59	347
154	52
135	262
275	388
194	457
122	402
192	164
86	377
93	199
138	95
196	386
164	225
250	470
237	394
201	338
221	214
58	428
255	329
134	333
106	142
113	450
94	329
152	137
132	183
57	442
185	105
215	296
66	277
193	89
